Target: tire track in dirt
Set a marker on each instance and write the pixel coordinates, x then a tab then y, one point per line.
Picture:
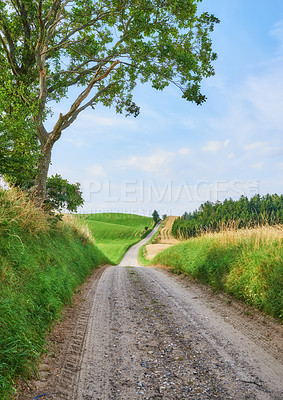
67	378
58	371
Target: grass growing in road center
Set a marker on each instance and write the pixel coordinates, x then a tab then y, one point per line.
114	233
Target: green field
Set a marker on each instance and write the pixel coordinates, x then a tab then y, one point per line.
114	233
246	263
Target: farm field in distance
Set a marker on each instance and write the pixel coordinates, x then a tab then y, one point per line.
161	241
114	233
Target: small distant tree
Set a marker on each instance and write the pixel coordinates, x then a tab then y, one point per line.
164	216
155	216
63	195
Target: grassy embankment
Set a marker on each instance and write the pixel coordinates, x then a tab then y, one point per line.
114	233
42	261
246	263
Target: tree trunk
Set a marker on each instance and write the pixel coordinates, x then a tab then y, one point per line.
39	188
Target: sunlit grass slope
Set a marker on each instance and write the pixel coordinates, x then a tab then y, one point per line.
114	233
42	261
247	263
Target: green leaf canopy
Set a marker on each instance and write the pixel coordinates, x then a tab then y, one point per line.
106	47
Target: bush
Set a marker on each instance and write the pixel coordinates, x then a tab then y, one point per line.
63	195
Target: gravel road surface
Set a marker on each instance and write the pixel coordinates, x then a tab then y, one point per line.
143	333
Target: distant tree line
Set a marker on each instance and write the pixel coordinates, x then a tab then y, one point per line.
242	213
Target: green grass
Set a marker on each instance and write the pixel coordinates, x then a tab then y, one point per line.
247	264
141	256
156	238
114	233
42	262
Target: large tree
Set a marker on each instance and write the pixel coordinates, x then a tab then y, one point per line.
103	46
19	147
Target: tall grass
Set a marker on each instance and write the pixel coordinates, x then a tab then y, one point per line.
42	261
114	233
246	263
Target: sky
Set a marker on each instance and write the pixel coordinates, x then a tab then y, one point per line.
176	155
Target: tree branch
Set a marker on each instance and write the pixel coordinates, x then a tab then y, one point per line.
86	25
53	10
129	65
58	46
89	103
16	6
9	52
64	120
39	15
9	57
91	22
7	34
94	80
80	74
75	80
51	27
76	70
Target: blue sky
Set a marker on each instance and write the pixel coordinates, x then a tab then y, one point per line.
177	155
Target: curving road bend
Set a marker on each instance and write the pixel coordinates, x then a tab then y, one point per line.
144	333
131	257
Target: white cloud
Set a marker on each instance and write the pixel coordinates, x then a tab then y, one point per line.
277	31
256	146
257	165
263	90
76	141
93	121
264	95
158	162
185	151
254	109
214	146
216	81
189	123
96	170
264	149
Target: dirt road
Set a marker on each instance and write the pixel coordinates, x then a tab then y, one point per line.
142	333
